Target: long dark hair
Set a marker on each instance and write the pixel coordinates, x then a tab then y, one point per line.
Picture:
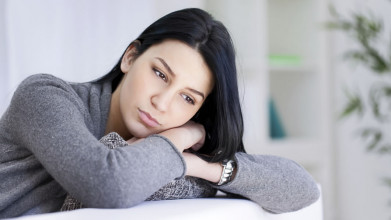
221	113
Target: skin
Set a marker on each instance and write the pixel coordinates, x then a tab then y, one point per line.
169	83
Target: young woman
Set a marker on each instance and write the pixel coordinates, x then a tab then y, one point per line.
173	97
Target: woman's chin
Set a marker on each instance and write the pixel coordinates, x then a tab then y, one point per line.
143	134
144	131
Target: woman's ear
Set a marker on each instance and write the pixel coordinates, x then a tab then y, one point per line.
129	56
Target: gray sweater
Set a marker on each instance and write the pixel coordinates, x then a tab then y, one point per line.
49	146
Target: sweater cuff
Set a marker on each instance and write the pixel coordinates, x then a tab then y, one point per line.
176	151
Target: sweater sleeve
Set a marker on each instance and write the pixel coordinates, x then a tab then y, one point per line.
277	184
47	118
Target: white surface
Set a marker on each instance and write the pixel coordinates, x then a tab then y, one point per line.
207	208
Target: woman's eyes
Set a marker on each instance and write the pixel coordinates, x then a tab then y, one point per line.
161	75
188	99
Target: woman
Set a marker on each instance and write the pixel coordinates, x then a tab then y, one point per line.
173	97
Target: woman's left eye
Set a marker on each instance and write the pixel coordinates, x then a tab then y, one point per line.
160	74
188	99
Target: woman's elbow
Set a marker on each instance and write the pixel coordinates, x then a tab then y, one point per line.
295	202
306	194
301	190
114	194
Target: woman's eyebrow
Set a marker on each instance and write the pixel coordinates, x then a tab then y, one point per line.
197	92
166	65
172	73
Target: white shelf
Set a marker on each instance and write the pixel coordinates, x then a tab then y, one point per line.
293	142
291	69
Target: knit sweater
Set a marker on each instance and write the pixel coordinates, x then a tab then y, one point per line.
49	146
185	188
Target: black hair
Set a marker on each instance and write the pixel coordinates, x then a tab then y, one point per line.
221	113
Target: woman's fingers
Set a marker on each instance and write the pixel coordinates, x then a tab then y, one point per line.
189	135
197	146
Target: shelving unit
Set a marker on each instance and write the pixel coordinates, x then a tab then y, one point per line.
290	66
294	87
298	84
299	87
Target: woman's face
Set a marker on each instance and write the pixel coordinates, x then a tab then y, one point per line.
163	88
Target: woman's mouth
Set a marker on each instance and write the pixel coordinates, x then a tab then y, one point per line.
147	119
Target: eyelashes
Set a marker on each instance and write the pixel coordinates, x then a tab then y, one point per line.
188	99
161	75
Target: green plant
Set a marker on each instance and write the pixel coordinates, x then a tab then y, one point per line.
374	53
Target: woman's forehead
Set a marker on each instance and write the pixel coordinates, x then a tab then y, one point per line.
183	62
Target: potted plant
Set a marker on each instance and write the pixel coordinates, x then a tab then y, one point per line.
374	53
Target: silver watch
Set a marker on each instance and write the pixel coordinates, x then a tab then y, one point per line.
228	170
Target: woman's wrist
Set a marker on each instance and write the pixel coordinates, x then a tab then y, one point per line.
197	167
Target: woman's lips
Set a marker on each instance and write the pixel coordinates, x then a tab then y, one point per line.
147	119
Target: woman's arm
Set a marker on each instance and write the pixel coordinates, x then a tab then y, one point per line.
277	184
47	118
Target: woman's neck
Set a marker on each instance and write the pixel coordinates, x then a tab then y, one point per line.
115	122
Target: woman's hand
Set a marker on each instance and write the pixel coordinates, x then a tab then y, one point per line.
189	135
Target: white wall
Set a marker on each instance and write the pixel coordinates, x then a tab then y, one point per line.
77	40
3	60
360	193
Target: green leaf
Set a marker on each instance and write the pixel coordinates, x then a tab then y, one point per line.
338	25
387	90
380	95
359	56
333	11
374	135
385	149
365	29
353	105
379	64
387	181
389	53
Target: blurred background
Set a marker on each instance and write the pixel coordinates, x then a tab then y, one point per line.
295	79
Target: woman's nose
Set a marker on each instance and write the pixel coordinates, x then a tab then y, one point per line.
162	101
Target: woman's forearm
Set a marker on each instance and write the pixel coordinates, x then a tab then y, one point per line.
202	169
277	184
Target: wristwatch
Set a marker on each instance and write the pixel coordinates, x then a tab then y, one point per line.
228	170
